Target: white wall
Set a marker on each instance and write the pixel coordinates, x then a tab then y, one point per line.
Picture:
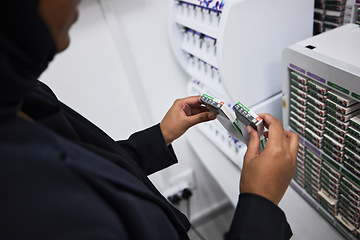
89	76
120	73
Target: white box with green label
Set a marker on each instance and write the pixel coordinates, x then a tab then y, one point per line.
226	116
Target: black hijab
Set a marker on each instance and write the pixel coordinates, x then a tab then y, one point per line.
26	48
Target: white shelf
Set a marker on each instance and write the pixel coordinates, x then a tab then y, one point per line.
248	53
207	56
204	28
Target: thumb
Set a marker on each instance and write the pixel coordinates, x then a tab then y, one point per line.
253	147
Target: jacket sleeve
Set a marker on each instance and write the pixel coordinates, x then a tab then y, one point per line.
258	218
149	149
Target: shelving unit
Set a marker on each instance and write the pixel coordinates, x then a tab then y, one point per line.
321	99
330	14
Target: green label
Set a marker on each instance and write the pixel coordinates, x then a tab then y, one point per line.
337	87
349	175
293	82
355	95
205	95
330	161
243	106
330	110
311	107
262	144
237	127
354	123
331	104
331	95
311	84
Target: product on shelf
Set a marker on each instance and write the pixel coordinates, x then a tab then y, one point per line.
324	109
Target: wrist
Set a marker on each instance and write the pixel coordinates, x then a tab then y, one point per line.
166	135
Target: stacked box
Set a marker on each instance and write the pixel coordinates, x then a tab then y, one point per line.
340	110
316	113
355	122
334	149
313	164
319	16
298	95
299	176
327	116
330	188
352	146
349	205
334	13
349	11
329	14
226	117
249	118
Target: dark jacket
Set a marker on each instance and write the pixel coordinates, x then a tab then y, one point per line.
61	177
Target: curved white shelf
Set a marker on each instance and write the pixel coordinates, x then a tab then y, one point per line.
248	38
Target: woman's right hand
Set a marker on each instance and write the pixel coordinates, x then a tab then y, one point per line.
269	174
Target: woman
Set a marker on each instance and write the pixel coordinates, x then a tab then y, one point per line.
61	177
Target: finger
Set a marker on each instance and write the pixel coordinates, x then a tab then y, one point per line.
262	116
274	126
253	147
268	119
199	118
197	110
193	101
293	139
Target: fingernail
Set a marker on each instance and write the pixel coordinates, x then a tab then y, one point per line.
212	116
248	129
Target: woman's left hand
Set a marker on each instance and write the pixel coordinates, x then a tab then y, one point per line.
183	114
